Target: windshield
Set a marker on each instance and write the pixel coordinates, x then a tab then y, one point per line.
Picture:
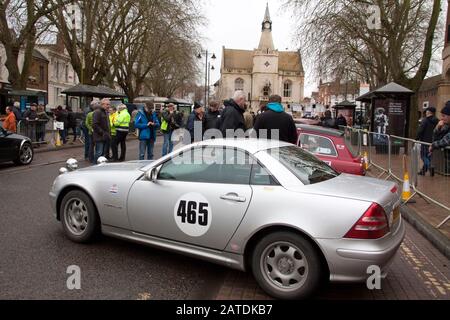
304	165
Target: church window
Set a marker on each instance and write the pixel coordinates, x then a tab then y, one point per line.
266	90
239	84
287	92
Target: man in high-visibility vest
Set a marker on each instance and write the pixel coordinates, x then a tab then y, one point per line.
122	125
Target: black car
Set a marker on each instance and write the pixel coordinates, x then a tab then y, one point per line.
14	147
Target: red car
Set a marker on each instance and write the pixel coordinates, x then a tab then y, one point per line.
330	146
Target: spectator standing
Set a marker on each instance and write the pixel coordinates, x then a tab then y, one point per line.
196	117
71	123
16	111
31	119
112	146
212	117
147	123
328	121
232	117
89	126
442	131
425	134
101	129
167	128
122	126
63	117
341	122
10	124
42	123
275	118
248	118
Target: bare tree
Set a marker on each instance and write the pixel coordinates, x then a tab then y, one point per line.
343	35
21	24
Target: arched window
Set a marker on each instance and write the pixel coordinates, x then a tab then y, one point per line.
239	84
287	92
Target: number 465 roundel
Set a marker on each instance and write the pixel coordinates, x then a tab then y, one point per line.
192	214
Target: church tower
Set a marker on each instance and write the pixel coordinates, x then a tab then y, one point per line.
266	42
265	64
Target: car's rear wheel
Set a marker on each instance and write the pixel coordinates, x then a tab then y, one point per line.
79	217
26	154
286	266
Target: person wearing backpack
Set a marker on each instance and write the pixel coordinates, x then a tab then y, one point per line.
147	122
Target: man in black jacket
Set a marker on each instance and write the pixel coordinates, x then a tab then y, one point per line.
275	118
232	117
212	117
425	134
101	128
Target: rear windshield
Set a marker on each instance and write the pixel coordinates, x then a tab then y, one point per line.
352	143
303	165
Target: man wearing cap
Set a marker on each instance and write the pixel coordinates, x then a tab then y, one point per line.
442	131
195	117
425	134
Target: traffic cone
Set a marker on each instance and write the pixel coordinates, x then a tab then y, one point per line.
58	139
406	195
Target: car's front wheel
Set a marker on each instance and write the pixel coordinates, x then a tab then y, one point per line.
79	217
286	266
26	154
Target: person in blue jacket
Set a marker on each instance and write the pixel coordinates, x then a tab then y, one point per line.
147	122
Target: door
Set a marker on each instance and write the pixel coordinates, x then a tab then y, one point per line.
200	197
8	148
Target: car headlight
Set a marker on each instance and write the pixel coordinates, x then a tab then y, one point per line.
72	164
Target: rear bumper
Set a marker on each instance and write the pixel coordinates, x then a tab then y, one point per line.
349	260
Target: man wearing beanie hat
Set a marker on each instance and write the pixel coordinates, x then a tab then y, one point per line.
195	117
425	134
442	132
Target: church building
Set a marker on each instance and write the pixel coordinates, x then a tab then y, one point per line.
263	72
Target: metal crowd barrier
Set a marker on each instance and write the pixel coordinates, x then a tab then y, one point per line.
394	156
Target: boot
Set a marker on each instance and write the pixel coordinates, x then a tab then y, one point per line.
432	172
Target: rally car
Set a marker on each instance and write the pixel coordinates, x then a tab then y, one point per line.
262	206
16	148
332	147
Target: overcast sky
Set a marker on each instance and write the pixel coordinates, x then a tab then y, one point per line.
236	24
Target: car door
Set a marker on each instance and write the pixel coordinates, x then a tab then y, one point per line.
8	147
200	197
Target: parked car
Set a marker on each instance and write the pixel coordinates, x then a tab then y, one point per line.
330	146
263	206
16	148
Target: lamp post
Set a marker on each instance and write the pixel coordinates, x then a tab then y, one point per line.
207	72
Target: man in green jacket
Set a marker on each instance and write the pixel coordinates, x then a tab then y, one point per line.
89	125
122	125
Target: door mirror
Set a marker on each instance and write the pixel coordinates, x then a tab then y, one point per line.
152	175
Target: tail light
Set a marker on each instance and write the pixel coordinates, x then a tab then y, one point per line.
372	225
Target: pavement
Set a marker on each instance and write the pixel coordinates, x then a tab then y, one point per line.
35	255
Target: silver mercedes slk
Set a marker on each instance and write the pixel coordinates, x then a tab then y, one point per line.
253	205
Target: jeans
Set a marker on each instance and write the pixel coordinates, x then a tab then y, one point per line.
122	141
426	158
168	144
100	150
87	142
63	134
146	144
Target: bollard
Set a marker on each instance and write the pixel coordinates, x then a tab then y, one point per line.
406	195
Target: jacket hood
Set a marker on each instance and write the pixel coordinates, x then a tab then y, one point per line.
232	103
275	107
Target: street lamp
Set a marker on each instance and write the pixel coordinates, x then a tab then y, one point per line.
207	72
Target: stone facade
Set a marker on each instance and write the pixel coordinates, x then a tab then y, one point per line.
262	72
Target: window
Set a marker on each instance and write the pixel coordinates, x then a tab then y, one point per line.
317	145
209	165
261	177
42	74
266	90
67	73
287	92
307	168
239	84
57	70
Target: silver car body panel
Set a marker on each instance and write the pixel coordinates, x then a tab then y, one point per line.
132	208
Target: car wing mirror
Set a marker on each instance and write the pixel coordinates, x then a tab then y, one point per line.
152	175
